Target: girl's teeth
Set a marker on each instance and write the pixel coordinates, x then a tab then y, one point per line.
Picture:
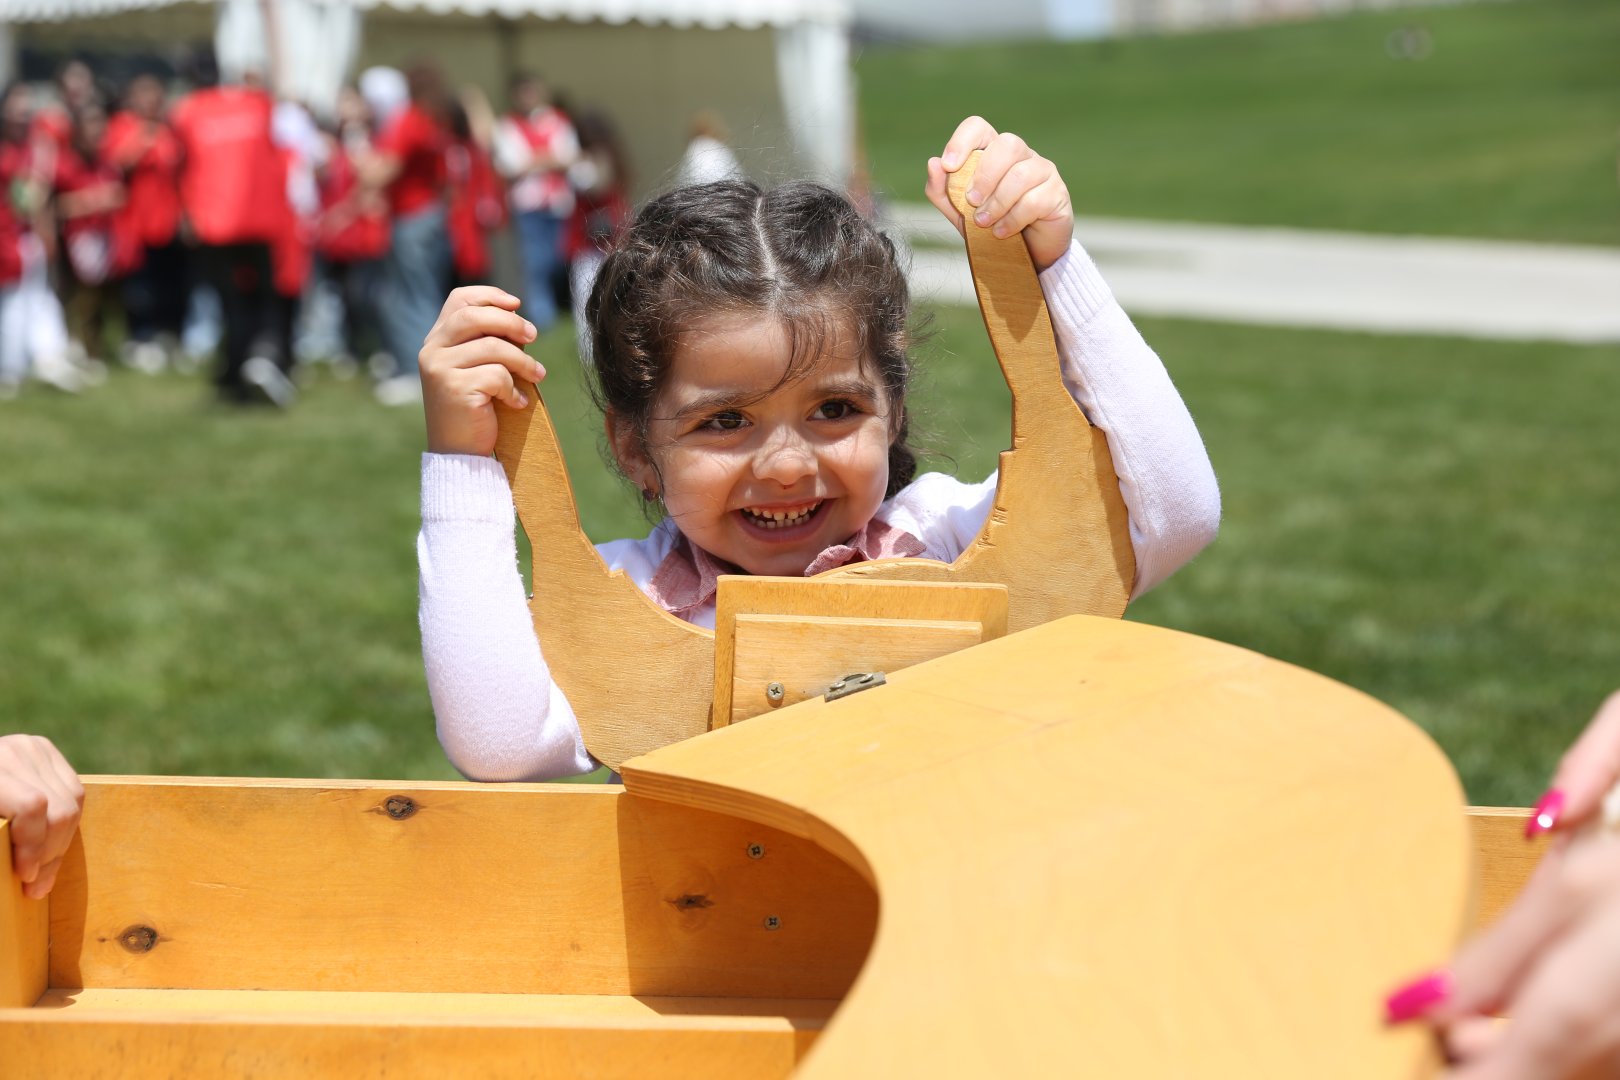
776	519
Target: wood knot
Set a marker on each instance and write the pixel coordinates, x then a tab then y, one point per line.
139	939
399	807
691	901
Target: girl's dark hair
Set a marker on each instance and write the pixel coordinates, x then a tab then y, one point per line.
800	253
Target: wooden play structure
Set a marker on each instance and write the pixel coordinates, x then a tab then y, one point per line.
905	819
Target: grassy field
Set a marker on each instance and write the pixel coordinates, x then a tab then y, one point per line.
1507	128
201	591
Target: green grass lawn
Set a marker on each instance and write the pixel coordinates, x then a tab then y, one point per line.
201	591
1507	129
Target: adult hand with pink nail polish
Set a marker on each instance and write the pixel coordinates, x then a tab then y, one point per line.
41	796
1588	770
1015	189
1552	961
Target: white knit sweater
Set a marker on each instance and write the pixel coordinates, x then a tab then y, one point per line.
501	717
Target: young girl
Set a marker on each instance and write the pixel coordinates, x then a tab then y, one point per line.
751	360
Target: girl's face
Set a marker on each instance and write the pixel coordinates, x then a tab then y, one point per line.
759	473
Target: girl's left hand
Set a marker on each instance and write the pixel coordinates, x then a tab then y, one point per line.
1015	190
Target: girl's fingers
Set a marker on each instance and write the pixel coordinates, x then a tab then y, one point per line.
466	323
497	384
974	133
1591	766
1028	194
1002	154
487	350
938	193
477	295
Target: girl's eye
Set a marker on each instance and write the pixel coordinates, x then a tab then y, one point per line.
726	421
837	409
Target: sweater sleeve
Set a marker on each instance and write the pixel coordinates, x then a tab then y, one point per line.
1164	473
498	713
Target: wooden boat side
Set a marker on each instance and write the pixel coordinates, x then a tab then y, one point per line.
1107	846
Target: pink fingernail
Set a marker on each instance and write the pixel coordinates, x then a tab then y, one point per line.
973	197
982	218
951	159
1417	997
1546	814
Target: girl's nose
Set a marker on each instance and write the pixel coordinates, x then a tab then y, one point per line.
785	457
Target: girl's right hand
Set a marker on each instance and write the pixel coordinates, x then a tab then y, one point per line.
472	358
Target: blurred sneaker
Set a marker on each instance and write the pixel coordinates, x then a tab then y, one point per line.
263	375
382	365
400	390
147	357
55	369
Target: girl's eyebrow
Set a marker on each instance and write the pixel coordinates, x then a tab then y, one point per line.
854	388
715	401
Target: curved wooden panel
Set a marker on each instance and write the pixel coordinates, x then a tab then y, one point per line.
1057	537
1108	849
637	677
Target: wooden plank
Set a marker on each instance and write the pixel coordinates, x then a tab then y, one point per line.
59	1045
1057	536
1129	850
1504	856
24	930
756	639
806	654
523	888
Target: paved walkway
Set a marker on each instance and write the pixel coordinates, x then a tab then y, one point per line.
1296	277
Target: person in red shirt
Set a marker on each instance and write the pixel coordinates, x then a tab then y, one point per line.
601	179
234	200
352	237
96	250
144	149
33	334
477	199
409	165
534	146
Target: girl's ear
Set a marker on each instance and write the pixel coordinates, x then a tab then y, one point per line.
631	454
897	424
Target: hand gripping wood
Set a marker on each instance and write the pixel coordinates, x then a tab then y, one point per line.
1057	537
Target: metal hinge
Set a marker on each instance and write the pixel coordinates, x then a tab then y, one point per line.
854	683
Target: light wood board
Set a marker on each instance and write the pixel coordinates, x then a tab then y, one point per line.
806	635
1057	537
1109	849
541	889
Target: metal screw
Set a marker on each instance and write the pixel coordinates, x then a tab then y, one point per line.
772	923
756	851
776	692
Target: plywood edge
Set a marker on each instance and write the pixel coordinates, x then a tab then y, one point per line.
308	784
294	1006
24	936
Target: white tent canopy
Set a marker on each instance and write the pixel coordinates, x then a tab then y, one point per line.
777	69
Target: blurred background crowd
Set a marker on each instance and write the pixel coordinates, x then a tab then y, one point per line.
180	223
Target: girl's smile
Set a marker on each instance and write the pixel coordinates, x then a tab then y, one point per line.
761	465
